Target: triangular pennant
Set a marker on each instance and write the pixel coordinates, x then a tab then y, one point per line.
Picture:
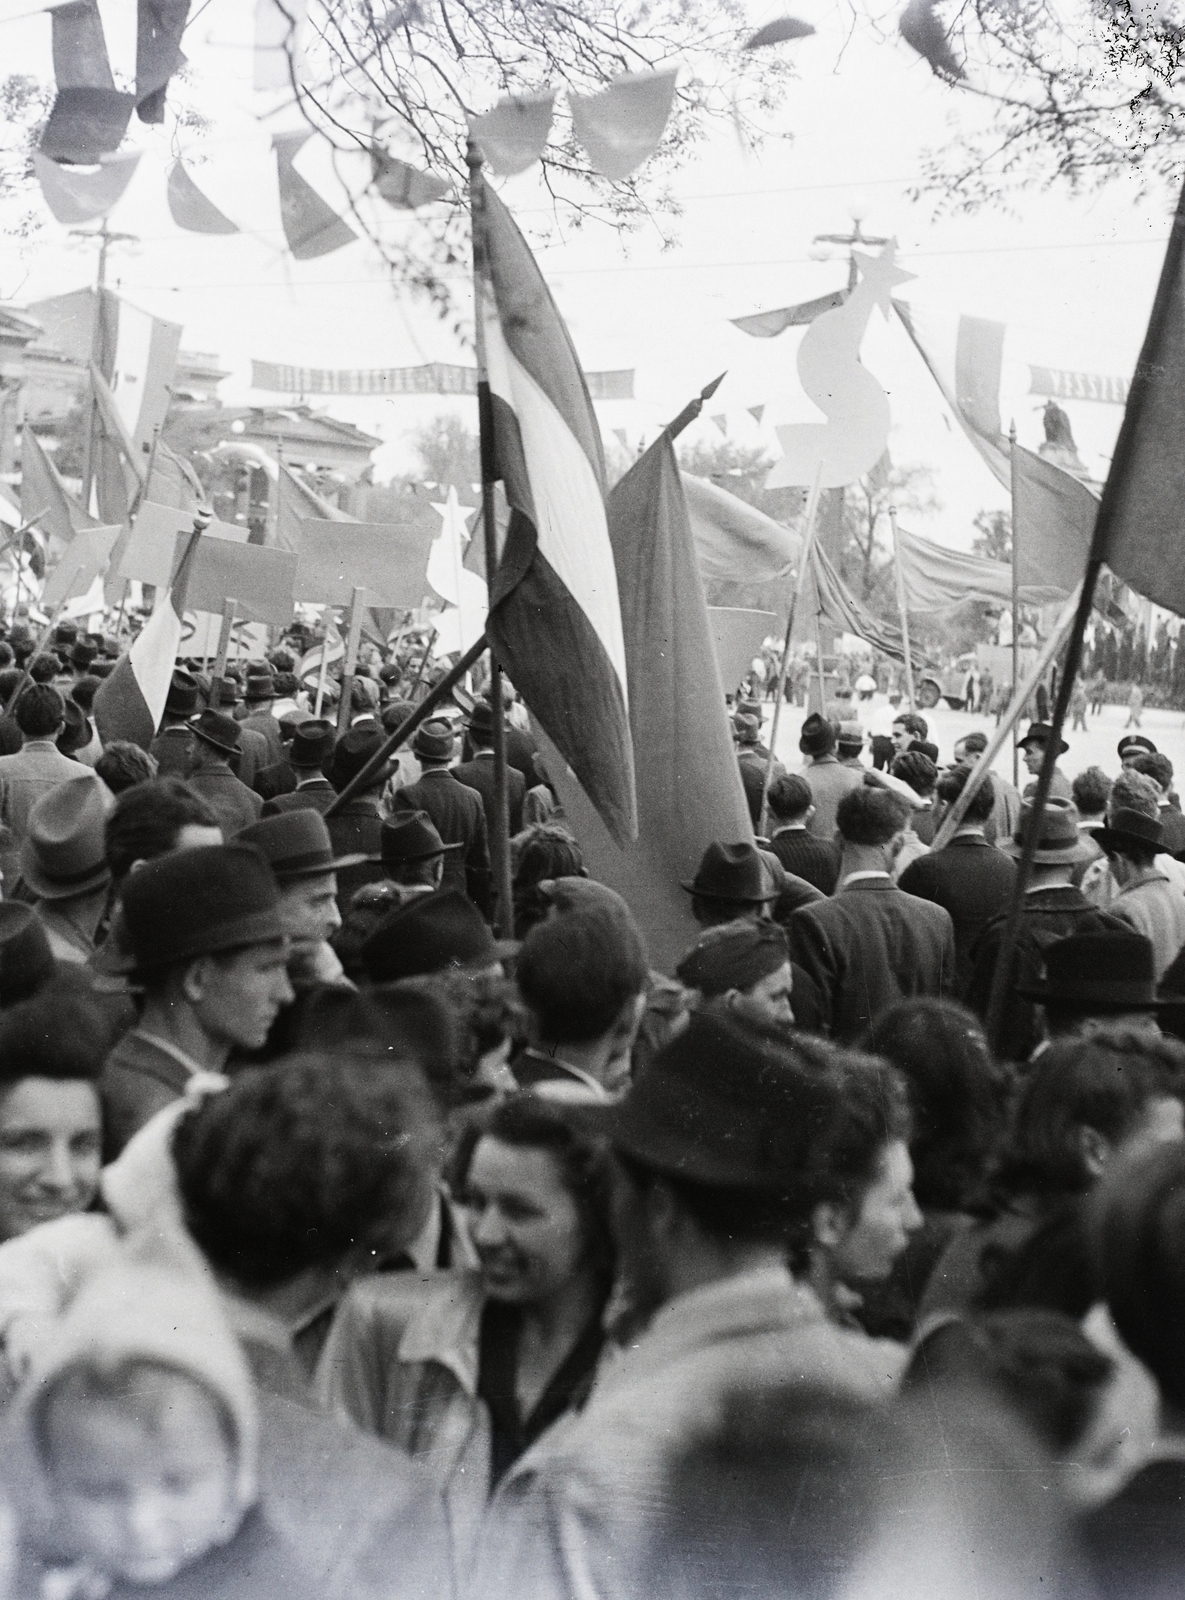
624	124
159	26
79	47
404	186
311	226
189	207
86	123
622	438
74	196
511	137
757	412
721	421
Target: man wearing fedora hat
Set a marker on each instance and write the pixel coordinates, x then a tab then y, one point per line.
64	871
1053	909
412	854
1147	899
710	1189
208	949
1097	980
297	847
356	826
1032	748
751	764
309	753
479	772
457	812
216	740
829	780
173	745
259	696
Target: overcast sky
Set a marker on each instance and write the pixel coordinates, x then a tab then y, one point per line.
1072	277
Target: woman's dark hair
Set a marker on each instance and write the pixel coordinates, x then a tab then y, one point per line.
297	1162
62	1032
541	853
1105	1082
957	1095
527	1121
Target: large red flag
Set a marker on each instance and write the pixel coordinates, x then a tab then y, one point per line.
555	618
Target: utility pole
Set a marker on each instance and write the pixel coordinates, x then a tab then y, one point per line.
106	239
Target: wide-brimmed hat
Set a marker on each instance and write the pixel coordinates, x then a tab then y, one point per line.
851	733
411	836
1129	827
225	691
1099	972
746	730
1135	741
182	698
432	933
26	960
295	844
82	653
722	1104
732	872
260	686
817	737
213	728
62	855
77	733
199	902
1041	733
351	753
481	719
312	743
1059	842
434	740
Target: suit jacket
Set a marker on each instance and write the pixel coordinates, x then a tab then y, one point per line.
752	770
29	775
479	774
138	1080
805	856
357	827
232	802
520	754
1048	915
172	749
1174	831
973	880
829	781
264	724
319	795
253	755
275	780
870	946
459	817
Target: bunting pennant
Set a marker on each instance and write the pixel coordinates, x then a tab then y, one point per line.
86	123
189	207
433	377
965	363
623	125
403	186
76	196
279	25
44	495
159	26
80	57
768	324
757	412
721	421
511	137
311	226
138	359
555	617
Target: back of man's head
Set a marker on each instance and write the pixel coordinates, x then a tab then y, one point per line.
147	819
917	770
790	797
44	668
1134	791
40	711
578	970
1156	766
951	785
974	744
1091	790
870	816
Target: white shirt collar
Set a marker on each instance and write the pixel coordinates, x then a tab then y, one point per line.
856	877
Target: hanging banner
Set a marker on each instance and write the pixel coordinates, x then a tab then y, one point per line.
389	560
1062	385
436	377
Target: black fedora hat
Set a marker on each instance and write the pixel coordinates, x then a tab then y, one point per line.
1099	972
481	718
260	686
312	744
198	902
351	753
182	698
1129	827
295	844
732	872
26	960
434	740
746	729
222	732
724	1103
1059	842
82	653
77	733
432	933
1041	733
411	836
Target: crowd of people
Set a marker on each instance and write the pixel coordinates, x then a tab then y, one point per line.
349	1249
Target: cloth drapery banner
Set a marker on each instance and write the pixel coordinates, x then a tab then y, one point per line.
42	490
826	594
735	542
1053	519
965	359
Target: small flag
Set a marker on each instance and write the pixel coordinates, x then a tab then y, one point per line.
555	617
779	32
311	226
86	123
623	125
78	566
42	491
511	137
159	26
74	196
80	57
622	438
757	412
189	207
965	360
404	186
130	702
721	421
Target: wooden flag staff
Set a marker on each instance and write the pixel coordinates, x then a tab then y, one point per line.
902	610
353	634
323	673
228	622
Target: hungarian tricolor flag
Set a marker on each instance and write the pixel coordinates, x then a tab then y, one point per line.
130	703
555	619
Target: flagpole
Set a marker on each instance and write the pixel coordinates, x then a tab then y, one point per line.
1001	977
500	843
324	668
415	682
903	610
1015	592
808	544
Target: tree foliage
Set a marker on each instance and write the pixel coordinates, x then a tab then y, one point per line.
993	535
